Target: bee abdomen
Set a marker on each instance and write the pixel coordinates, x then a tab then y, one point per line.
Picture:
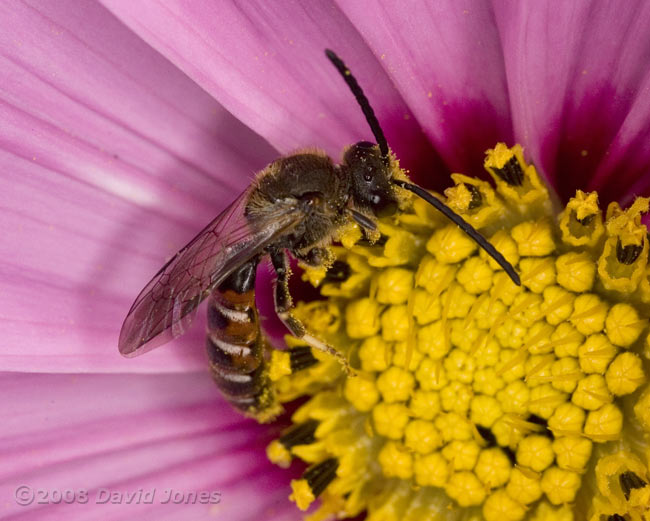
236	385
235	343
233	336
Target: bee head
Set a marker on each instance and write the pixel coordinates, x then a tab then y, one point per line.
368	166
370	179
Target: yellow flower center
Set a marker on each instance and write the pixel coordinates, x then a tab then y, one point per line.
473	396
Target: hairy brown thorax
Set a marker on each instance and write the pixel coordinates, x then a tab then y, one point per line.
312	183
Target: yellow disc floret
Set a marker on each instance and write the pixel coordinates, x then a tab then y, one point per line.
395	384
493	467
560	485
535	452
501	507
623	325
625	374
390	419
422	436
362	393
395	461
431	470
572	452
465	488
451	245
576	271
524	485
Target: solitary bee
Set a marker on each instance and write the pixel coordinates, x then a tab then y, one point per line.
295	205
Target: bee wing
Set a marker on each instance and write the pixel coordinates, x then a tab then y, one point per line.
167	305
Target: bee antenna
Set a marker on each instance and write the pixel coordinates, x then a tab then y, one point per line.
464	225
362	101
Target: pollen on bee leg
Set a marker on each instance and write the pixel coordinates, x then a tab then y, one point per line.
349	234
326	348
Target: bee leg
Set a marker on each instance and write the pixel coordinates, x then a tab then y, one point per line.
283	306
317	256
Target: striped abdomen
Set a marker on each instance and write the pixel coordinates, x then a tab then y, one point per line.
236	345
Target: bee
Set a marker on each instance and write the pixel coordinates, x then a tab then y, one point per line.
295	205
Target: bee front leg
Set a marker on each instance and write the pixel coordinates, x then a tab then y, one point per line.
283	306
317	256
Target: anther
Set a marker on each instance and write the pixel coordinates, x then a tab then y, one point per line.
477	198
301	434
628	254
315	479
339	271
300	358
319	476
587	220
629	480
511	172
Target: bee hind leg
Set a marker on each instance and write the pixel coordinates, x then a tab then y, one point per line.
283	306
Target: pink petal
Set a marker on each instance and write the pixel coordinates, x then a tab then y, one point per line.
578	76
125	433
445	59
112	159
264	61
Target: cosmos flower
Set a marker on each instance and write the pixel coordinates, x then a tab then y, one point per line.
128	125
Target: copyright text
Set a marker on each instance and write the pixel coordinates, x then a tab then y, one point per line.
27	495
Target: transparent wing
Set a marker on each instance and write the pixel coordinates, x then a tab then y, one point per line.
167	305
